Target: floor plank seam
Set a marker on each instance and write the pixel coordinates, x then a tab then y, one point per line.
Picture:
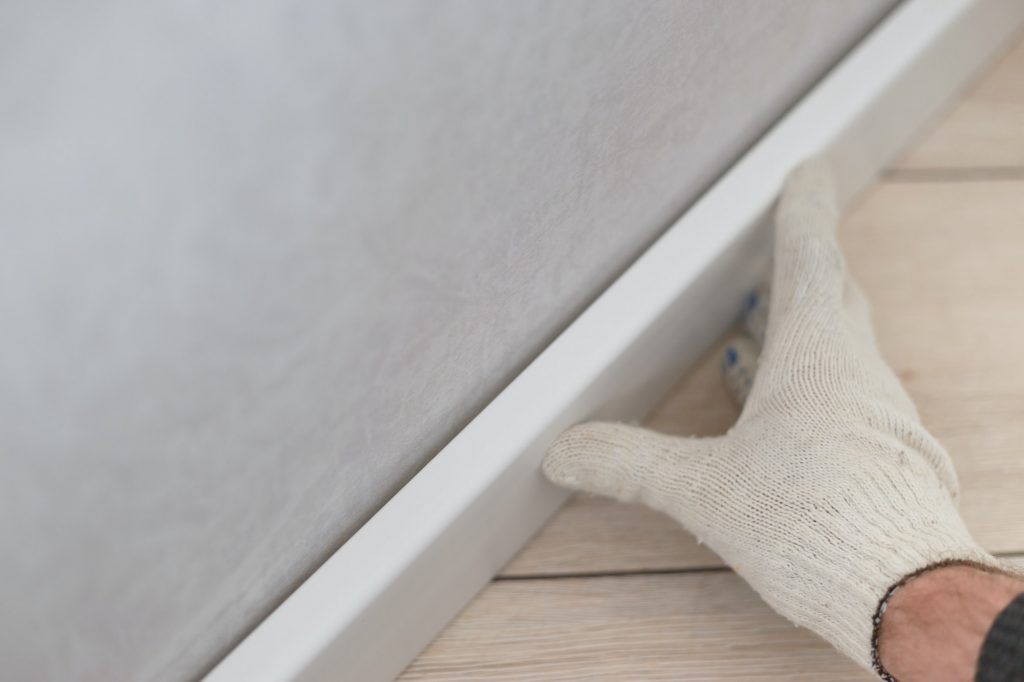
613	574
976	174
584	575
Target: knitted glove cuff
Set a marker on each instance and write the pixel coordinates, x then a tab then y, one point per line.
849	620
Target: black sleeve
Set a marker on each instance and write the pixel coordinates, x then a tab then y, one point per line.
1002	654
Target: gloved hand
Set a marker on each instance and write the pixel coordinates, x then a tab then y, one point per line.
828	491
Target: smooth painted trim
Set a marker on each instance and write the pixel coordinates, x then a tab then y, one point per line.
380	599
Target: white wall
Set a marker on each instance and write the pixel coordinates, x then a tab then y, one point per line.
259	261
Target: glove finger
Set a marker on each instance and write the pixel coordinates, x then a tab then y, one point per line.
628	463
858	310
886	385
739	365
809	273
755	313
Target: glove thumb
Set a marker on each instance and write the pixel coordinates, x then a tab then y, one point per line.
628	463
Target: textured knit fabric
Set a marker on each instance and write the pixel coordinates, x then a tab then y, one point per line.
1002	654
828	489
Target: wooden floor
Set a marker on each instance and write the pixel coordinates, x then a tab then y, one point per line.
614	592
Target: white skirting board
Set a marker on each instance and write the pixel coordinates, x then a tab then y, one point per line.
373	606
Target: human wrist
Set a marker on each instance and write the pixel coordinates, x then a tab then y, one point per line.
934	626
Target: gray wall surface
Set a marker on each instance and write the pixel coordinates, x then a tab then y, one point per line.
260	260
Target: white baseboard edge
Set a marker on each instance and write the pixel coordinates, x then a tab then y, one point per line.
381	598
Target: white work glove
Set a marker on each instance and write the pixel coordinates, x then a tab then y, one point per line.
828	491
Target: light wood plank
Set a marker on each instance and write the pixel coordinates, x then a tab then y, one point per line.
943	264
944	267
985	129
697	626
595	535
642	628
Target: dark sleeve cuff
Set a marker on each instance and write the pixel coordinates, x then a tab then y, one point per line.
1002	654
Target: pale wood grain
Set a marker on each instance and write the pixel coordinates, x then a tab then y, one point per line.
595	535
705	625
985	129
695	626
944	267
